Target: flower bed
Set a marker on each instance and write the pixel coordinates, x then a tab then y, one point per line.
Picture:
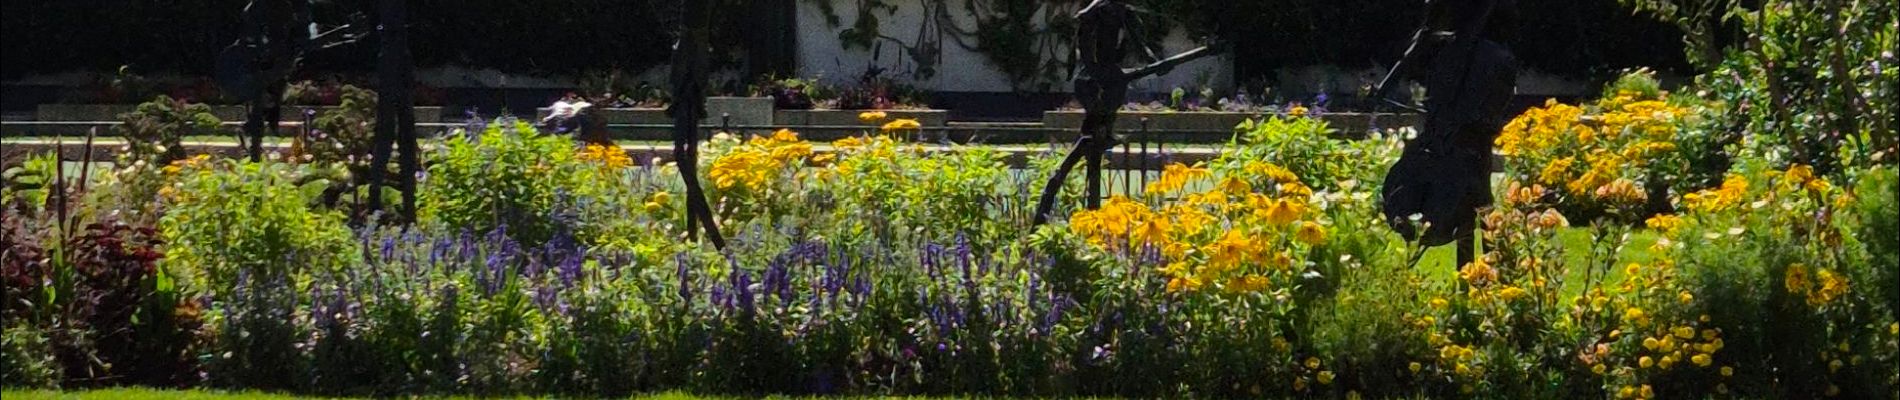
537	266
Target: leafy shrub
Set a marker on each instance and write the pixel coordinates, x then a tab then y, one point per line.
1787	297
233	222
154	130
26	357
1306	148
130	323
342	135
29	184
1878	195
507	175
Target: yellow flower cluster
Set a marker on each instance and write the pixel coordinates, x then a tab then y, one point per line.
753	164
1229	237
187	163
901	125
1730	194
1652	333
1598	156
1824	286
610	157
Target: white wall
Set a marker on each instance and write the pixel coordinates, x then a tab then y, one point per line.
820	53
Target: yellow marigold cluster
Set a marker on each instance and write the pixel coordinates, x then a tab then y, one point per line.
611	157
1734	188
753	164
901	125
1230	236
1596	156
1820	287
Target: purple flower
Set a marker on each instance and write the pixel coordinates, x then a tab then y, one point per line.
743	283
685	279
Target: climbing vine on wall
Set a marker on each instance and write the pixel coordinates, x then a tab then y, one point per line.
1025	39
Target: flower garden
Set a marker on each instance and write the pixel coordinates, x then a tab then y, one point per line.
1731	235
1615	265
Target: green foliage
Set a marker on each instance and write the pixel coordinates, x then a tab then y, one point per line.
1878	208
1307	148
235	224
508	175
1813	81
342	135
154	130
26	358
28	184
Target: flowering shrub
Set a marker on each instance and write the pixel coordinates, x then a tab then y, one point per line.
1766	252
1616	157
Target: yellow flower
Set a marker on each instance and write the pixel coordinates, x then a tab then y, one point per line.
1665	222
1646	362
1626	392
1440	303
1235	186
1174	177
871	117
1232	248
1557	171
1796	278
785	135
1510	293
1636	316
1297	111
1646	392
1701	360
1312	363
901	124
1310	233
1250	283
1325	377
1684	332
1271	171
1833	286
1414	366
1599	369
654	207
1478	272
1728	371
608	156
1282	212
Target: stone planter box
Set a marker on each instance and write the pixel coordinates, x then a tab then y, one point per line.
1218	126
929	118
110	113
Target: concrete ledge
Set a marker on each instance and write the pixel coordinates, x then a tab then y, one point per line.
1348	124
16	151
850	117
